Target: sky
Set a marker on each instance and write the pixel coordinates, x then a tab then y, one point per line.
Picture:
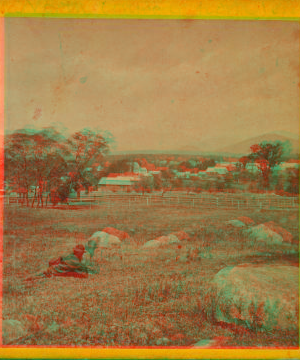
154	84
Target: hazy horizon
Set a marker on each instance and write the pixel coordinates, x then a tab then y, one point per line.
154	84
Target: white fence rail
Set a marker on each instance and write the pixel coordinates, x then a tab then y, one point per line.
238	201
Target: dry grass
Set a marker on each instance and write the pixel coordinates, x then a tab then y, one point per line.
139	297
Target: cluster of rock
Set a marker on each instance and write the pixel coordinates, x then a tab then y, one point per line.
269	231
257	296
254	296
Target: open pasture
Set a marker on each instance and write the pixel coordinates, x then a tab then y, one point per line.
140	297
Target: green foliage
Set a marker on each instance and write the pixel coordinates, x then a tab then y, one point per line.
42	157
119	166
272	152
267	155
292	184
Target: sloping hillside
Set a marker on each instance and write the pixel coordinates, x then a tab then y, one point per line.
243	147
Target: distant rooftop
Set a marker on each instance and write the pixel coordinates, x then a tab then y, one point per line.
217	170
121	180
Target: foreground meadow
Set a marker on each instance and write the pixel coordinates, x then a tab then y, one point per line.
153	297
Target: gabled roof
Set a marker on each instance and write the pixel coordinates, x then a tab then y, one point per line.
217	170
117	181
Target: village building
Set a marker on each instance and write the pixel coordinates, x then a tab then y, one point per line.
216	171
143	171
252	167
183	174
119	183
289	165
136	167
228	165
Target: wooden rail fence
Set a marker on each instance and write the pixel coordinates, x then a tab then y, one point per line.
209	201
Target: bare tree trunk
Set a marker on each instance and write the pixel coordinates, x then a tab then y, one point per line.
33	197
41	198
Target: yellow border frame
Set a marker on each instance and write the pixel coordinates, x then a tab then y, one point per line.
287	10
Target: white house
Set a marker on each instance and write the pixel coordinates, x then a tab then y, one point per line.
136	167
217	171
143	171
252	167
287	165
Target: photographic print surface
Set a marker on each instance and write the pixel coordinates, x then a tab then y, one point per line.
151	183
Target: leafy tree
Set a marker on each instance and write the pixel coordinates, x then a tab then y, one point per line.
144	185
34	157
85	148
167	177
206	164
293	181
119	166
219	184
157	182
197	185
177	183
228	180
267	155
244	160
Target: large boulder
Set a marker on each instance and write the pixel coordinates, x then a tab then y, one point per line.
12	330
122	235
257	297
263	233
286	236
105	240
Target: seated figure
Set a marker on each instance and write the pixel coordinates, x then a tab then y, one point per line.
68	266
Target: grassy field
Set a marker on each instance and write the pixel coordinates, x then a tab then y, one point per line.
139	298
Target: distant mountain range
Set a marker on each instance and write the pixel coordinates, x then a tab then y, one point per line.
206	148
243	147
236	148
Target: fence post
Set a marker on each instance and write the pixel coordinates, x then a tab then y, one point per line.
193	202
147	201
238	204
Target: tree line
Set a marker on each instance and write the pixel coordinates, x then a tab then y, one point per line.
46	161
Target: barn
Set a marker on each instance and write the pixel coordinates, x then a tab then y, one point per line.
120	183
